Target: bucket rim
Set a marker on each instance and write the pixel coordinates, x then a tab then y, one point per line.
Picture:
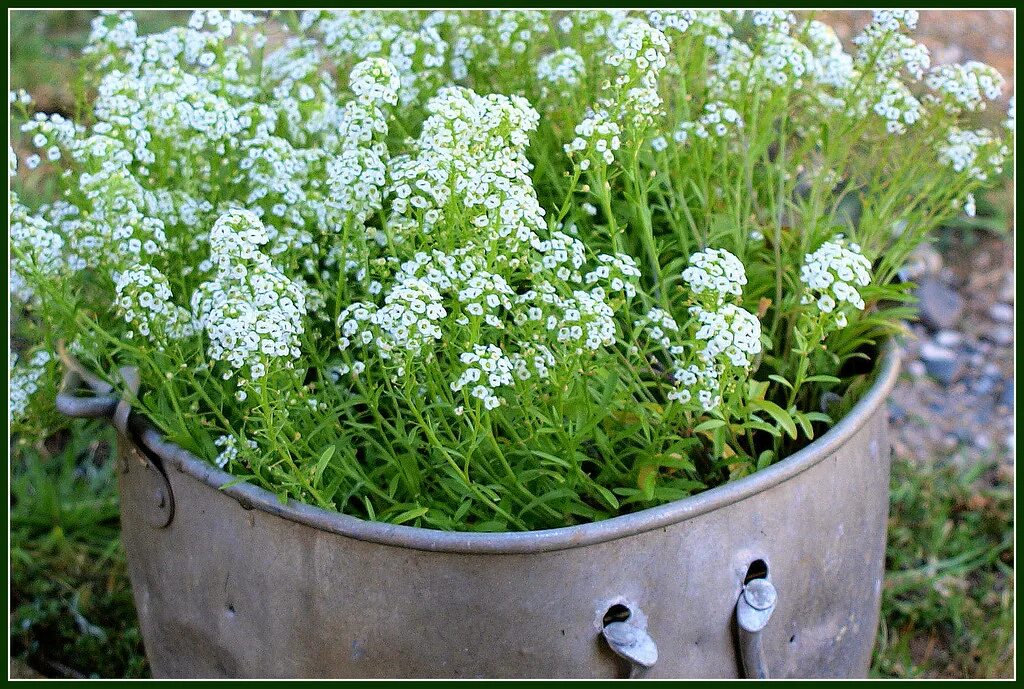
250	496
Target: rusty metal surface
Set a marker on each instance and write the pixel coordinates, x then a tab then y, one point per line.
237	585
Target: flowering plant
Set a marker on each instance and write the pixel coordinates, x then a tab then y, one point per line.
491	270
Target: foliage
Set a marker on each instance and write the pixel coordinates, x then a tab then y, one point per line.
415	302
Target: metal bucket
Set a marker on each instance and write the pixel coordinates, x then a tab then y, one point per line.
778	574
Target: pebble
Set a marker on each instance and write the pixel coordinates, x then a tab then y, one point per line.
1001	313
1008	291
924	260
983	385
948	338
1006	398
942	363
1002	336
896	412
940	306
917	368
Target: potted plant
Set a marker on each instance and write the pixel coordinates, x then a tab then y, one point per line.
508	343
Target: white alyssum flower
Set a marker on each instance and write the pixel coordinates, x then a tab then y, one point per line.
831	276
558	71
24	381
37	252
251	312
715	273
146	303
229	453
717	120
967	86
977	152
729	332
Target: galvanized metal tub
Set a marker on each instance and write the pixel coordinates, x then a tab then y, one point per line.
231	583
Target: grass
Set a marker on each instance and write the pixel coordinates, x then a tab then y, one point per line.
947	607
72	613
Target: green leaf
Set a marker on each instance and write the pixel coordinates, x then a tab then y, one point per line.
409	515
608	496
709	425
780	415
821	378
321	464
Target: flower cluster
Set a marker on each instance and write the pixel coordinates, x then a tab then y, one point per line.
357	231
24	381
714	276
716	121
146	303
976	152
966	86
558	71
598	137
831	276
229	453
251	313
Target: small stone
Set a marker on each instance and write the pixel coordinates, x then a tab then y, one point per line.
940	306
896	413
941	363
983	385
1001	313
1002	335
982	441
923	261
917	368
1006	398
1008	291
948	338
949	442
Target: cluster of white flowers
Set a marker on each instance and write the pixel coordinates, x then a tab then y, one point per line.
598	137
630	103
886	51
728	331
24	381
619	272
560	70
251	312
408	321
720	341
357	174
715	275
897	106
471	148
835	65
487	369
783	60
703	23
716	121
37	253
966	86
832	275
976	152
414	47
229	453
146	303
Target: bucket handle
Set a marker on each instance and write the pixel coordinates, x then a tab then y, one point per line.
753	610
102	405
628	639
116	410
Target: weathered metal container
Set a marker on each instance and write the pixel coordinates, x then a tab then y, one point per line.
231	583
